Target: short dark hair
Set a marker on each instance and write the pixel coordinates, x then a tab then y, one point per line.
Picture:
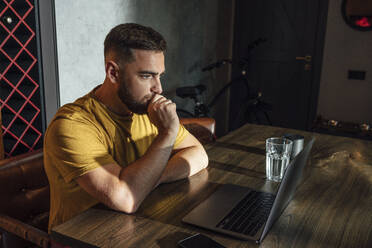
125	37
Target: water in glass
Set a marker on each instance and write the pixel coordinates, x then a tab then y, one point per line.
276	165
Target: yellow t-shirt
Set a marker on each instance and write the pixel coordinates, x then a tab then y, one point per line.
83	136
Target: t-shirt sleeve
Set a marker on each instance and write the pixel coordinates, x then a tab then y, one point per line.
182	133
75	147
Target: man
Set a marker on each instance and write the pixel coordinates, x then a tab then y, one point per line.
123	139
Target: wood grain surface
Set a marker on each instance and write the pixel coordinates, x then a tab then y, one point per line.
331	208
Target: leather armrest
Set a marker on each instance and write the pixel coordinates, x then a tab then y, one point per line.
24	231
22	158
208	123
202	128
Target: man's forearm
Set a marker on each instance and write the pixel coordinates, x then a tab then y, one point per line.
142	175
185	163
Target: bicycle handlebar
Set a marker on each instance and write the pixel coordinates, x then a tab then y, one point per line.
216	65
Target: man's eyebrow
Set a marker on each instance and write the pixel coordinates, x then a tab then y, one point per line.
148	72
151	73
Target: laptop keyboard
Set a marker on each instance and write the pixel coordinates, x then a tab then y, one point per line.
250	213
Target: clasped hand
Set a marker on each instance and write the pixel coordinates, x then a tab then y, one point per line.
162	113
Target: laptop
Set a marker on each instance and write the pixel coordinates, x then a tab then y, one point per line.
247	214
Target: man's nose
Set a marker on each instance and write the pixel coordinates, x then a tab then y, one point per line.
157	88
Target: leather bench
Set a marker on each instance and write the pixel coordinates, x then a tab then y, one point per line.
24	206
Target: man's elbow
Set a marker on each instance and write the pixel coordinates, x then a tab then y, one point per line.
204	160
126	202
130	207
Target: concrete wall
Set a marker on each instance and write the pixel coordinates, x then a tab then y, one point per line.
345	49
192	29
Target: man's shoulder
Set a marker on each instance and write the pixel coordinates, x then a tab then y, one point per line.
74	122
74	116
81	109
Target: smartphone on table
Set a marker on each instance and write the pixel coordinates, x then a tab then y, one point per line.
199	240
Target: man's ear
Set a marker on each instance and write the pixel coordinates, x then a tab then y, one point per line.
112	71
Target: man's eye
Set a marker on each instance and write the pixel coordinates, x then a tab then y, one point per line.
145	76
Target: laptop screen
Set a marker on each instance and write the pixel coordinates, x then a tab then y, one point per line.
287	188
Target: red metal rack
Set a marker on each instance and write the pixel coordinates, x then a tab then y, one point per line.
20	87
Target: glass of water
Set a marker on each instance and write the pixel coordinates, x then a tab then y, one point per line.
278	153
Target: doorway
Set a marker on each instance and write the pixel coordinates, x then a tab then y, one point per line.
285	67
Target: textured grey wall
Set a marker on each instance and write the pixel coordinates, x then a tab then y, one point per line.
340	98
81	27
192	28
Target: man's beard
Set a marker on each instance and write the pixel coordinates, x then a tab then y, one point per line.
135	106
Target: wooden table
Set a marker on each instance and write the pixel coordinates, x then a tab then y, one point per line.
331	208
